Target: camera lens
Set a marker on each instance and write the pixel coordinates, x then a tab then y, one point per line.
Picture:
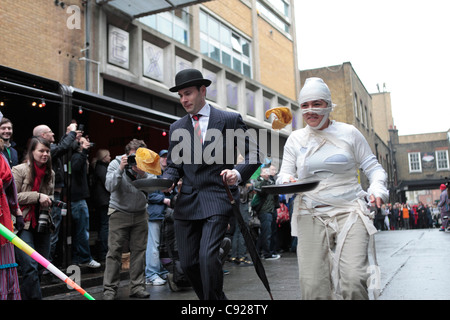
43	221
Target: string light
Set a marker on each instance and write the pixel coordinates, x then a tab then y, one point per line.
81	110
139	127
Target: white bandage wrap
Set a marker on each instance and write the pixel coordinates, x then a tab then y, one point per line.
316	89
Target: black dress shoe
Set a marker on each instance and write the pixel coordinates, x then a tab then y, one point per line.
140	295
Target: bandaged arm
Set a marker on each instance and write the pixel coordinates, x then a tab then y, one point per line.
288	168
377	178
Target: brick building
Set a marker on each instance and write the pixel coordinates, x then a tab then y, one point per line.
98	60
109	64
421	161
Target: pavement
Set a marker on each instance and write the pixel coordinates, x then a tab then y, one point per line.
240	283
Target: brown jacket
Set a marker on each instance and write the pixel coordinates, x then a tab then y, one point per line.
25	196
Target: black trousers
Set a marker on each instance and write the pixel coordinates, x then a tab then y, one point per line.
198	247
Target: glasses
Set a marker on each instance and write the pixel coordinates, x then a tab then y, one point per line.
50	131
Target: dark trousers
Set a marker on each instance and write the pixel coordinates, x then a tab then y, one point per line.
198	247
30	287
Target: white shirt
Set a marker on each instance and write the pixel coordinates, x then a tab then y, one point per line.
204	119
203	122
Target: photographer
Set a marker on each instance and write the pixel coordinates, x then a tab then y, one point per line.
80	213
127	223
68	143
34	182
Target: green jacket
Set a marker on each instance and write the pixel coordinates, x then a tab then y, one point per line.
271	201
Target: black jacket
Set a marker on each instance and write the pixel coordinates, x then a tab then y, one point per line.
100	196
57	151
80	187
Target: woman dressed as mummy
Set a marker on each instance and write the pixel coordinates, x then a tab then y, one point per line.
332	221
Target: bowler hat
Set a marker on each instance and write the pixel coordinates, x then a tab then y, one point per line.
189	78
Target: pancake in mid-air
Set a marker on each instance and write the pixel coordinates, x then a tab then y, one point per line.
283	117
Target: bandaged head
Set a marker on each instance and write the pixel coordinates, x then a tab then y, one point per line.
316	89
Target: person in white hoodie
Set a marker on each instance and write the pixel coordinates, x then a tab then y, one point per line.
332	221
127	223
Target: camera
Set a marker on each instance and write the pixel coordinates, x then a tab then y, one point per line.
131	160
45	223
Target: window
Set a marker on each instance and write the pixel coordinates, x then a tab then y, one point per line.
442	160
282	9
356	106
360	111
366	121
281	5
414	162
250	97
174	24
222	44
267	104
232	94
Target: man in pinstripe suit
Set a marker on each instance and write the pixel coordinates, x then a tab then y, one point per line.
203	210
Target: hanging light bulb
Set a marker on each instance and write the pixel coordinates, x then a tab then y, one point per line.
139	127
34	103
80	110
43	104
112	119
2	103
164	133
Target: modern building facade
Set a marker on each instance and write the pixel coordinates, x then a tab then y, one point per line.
108	64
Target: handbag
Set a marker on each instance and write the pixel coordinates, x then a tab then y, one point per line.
282	214
253	221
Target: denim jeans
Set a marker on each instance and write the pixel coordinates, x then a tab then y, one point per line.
153	266
30	287
265	236
238	247
80	216
56	216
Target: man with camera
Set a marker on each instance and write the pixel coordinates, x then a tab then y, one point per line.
79	208
127	223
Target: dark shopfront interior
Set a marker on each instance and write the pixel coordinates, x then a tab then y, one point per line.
109	122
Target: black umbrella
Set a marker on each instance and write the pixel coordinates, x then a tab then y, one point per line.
248	239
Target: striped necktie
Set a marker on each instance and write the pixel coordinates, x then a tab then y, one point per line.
197	130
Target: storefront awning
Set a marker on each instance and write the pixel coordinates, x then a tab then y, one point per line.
141	8
121	108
